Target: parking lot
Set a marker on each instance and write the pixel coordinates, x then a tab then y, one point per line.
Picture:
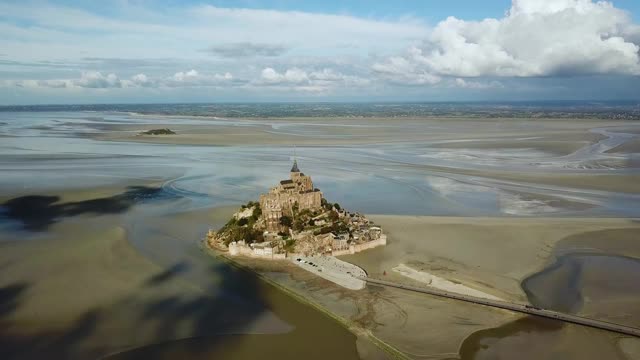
334	270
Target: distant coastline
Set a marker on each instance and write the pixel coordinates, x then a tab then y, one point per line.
563	109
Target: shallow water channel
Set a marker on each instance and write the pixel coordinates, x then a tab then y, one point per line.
593	285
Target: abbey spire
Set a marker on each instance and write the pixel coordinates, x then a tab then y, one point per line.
294	168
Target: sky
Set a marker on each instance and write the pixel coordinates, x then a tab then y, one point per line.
71	52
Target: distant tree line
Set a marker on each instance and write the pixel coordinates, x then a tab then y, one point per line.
164	131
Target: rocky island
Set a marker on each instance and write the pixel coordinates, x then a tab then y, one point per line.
294	220
165	131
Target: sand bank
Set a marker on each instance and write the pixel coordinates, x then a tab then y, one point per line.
541	149
489	255
630	147
492	255
440	283
76	288
559	136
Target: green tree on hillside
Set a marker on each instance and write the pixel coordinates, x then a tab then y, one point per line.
286	221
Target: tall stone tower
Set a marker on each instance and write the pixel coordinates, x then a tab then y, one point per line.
297	191
303	182
294	168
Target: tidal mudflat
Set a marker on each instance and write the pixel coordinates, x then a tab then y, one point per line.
100	233
548	262
124	284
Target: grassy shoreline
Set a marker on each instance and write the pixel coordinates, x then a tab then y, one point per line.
349	325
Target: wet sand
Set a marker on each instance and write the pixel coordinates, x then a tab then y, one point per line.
556	143
630	147
560	136
589	275
82	312
76	288
439	283
114	268
428	327
546	145
496	257
417	326
489	254
544	339
626	182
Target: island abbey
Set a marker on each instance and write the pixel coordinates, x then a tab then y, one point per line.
292	195
294	218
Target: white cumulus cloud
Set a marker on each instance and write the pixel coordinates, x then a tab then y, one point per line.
95	79
87	79
534	38
292	76
401	70
185	76
467	84
327	74
141	80
539	48
194	78
314	81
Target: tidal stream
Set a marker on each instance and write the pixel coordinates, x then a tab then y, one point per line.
48	152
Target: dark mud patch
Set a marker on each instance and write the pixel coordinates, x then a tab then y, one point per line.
38	212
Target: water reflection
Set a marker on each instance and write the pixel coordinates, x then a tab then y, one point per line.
600	286
49	150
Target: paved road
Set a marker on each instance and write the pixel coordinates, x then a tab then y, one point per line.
527	309
340	272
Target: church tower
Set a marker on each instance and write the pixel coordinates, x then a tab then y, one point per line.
297	192
294	168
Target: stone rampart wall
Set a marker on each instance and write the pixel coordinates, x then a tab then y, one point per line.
244	250
361	247
371	244
342	252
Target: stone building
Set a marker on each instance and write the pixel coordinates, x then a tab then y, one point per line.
297	191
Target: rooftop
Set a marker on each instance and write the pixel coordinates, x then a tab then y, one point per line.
294	168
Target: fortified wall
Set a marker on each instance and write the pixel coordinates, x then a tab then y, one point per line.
260	250
356	248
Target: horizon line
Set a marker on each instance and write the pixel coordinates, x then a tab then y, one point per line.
334	102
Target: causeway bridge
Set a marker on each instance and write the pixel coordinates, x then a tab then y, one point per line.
521	308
